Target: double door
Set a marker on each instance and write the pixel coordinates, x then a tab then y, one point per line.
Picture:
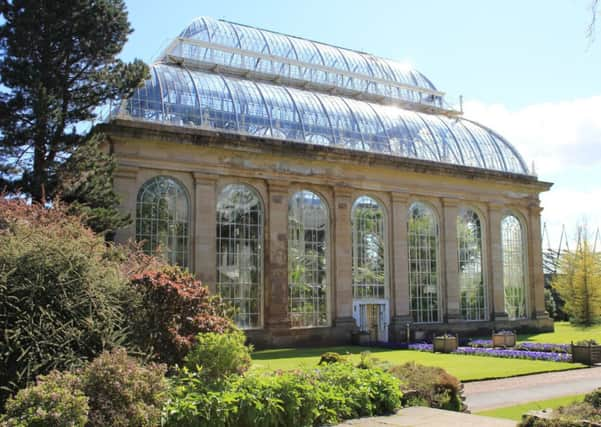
372	317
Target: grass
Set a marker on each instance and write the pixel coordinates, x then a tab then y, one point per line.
515	412
466	368
565	333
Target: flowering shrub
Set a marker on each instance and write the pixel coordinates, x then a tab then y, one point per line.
171	307
55	401
305	397
122	392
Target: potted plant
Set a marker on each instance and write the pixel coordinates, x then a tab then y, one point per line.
503	338
587	352
445	343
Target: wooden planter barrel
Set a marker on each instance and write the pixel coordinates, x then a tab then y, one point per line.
586	354
503	340
444	344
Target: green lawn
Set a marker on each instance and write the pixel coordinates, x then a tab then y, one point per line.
466	368
565	333
515	412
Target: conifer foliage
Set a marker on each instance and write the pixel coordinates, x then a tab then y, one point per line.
58	63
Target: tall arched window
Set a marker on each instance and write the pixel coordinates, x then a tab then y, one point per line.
307	260
423	264
472	291
240	252
369	249
514	279
163	219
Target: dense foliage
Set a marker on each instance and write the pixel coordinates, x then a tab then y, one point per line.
58	63
170	307
307	397
60	293
112	390
55	401
429	386
216	356
579	282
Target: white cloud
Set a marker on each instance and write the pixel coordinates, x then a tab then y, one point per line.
564	141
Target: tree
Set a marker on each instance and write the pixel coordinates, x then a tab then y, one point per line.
579	281
58	63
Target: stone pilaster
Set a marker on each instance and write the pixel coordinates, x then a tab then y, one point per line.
400	266
343	256
276	259
204	249
495	216
125	183
450	212
535	264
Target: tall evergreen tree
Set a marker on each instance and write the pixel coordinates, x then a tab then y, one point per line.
578	282
58	63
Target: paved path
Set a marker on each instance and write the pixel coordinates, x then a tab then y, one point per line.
427	417
483	395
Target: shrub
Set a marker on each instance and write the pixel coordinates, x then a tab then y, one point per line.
122	392
331	357
170	308
430	386
55	401
308	397
594	398
219	355
60	293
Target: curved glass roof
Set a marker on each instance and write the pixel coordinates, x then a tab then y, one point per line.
239	49
177	95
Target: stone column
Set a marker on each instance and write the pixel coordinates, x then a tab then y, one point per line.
450	212
343	257
276	259
125	182
400	267
536	277
204	246
495	216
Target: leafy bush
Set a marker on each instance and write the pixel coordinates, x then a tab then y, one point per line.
571	415
60	293
219	355
55	401
331	357
122	392
308	397
429	386
594	398
169	310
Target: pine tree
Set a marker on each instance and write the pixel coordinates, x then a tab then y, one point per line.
579	282
58	63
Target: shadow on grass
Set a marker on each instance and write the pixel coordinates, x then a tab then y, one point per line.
300	352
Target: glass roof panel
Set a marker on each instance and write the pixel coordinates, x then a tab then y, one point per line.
197	98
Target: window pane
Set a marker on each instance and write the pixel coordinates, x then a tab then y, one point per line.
240	252
514	283
369	250
307	260
162	220
423	264
473	296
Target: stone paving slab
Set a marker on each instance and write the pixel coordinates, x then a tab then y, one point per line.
491	394
428	417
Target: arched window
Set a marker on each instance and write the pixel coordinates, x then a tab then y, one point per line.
369	249
307	260
473	299
240	252
514	279
423	264
163	219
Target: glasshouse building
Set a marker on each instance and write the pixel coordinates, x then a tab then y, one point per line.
327	194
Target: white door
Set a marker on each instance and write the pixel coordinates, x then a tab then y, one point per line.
372	317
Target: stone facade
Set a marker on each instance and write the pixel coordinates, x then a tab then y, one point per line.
205	161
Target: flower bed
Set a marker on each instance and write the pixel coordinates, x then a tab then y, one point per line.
525	346
505	353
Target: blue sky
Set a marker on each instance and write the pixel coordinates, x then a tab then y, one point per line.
524	68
